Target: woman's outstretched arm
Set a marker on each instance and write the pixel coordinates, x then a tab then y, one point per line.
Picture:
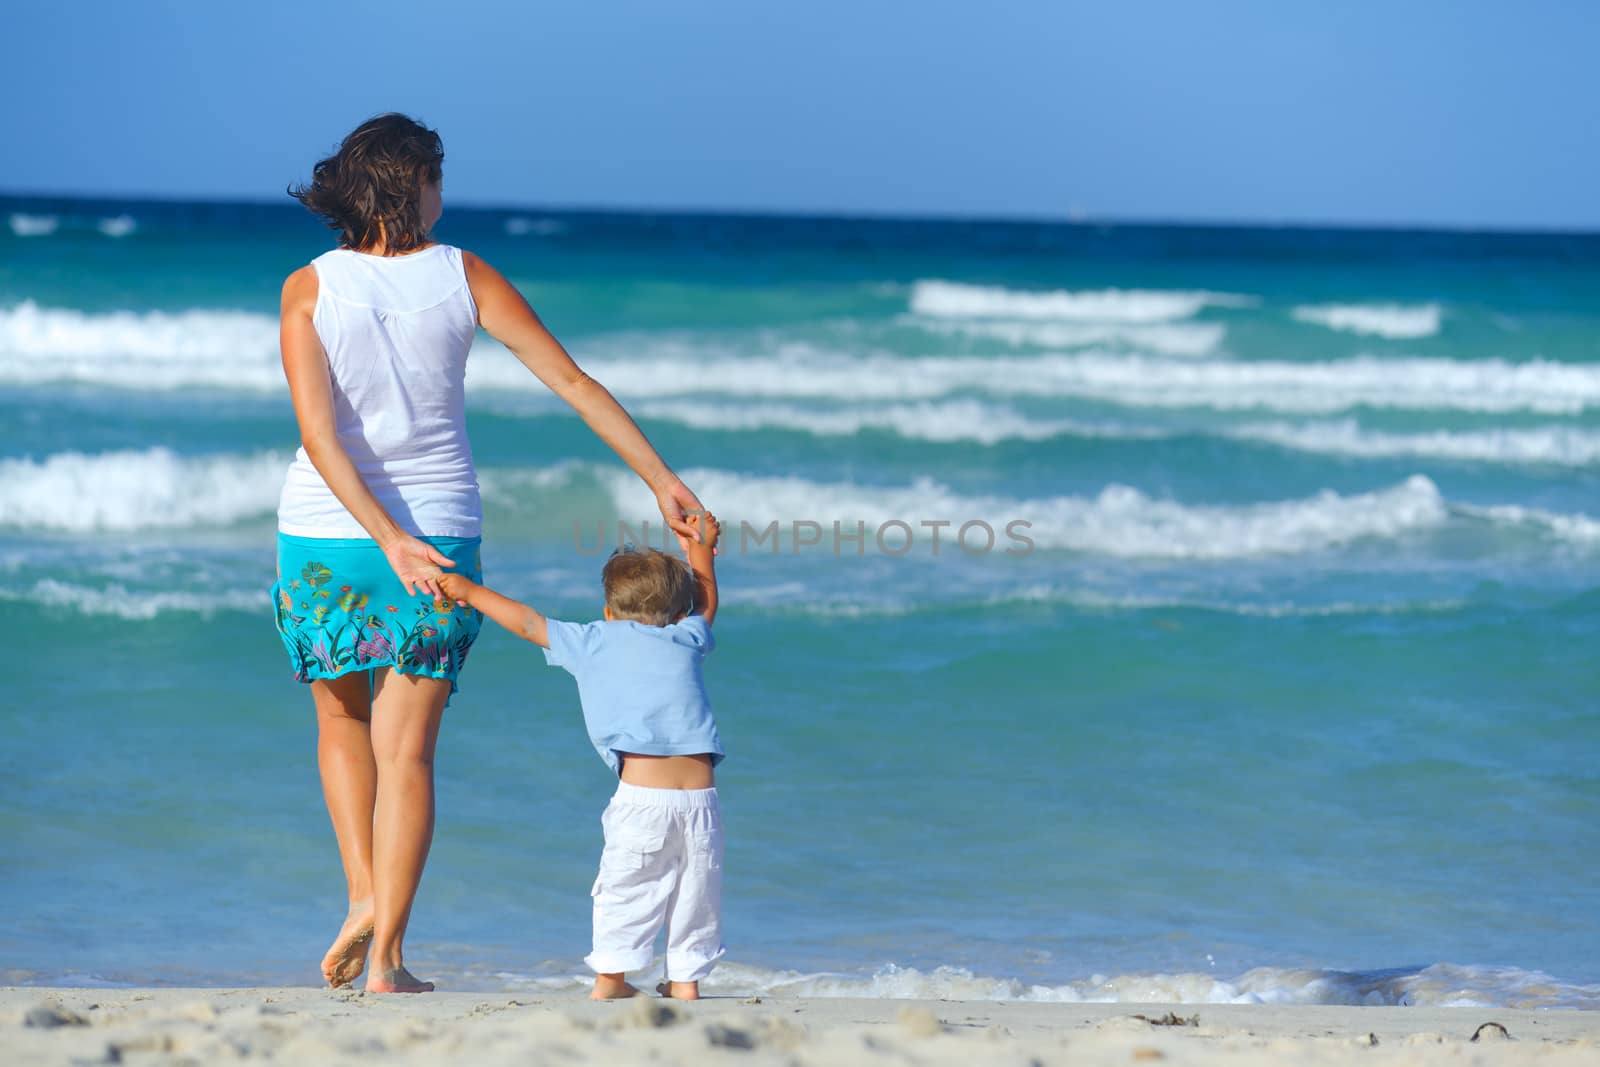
506	315
305	365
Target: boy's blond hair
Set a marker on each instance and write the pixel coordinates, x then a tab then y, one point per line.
647	585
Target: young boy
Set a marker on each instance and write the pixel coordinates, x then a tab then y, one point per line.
645	706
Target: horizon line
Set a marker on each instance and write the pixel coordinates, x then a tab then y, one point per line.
1076	219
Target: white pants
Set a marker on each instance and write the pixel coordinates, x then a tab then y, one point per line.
662	867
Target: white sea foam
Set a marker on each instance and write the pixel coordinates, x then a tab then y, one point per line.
1561	446
1417	384
953	420
518	226
117	225
1120	521
118	601
1573	529
131	490
24	225
1166	338
1441	985
990	423
239	350
801	371
142	350
157	489
1393	321
958	300
519	488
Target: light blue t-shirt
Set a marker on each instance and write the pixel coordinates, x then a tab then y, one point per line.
640	685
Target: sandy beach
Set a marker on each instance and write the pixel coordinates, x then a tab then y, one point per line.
61	1026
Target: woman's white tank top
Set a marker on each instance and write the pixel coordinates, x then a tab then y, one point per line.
396	330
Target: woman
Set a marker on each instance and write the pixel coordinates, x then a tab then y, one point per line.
383	493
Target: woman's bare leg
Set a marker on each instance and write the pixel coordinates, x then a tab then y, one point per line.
406	712
349	785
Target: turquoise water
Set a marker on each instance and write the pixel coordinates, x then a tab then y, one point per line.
1285	691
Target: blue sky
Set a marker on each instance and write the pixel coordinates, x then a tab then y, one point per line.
1467	113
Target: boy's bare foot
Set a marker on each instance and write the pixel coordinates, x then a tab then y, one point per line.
679	990
347	956
396	980
612	987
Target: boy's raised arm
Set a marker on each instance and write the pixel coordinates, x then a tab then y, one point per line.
703	561
515	616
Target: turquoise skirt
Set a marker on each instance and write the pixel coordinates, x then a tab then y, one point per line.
340	608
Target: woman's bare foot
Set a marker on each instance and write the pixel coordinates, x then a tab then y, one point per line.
679	990
612	987
396	980
347	957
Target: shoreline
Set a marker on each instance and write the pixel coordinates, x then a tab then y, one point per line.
66	1025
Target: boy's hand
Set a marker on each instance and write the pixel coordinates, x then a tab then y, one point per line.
706	528
455	586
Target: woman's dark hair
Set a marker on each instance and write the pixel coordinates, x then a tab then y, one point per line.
369	189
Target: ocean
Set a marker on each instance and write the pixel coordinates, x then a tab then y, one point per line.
1255	660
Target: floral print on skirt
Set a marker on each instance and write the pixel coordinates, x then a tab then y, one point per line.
340	608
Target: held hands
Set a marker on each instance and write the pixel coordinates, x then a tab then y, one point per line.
416	563
456	587
706	528
676	502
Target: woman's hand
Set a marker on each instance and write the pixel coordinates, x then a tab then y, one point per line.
677	502
416	563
